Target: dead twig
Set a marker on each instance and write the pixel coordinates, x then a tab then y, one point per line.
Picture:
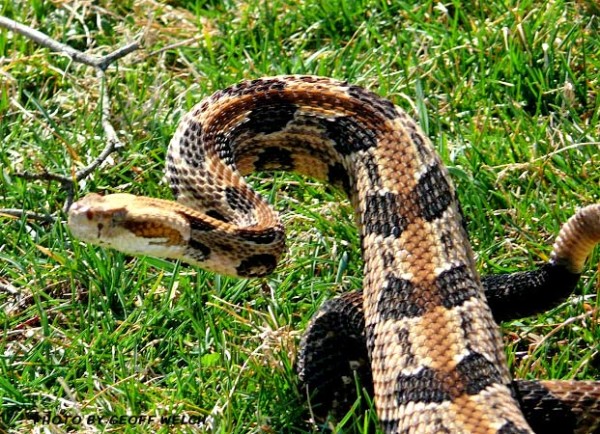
18	213
100	63
44	40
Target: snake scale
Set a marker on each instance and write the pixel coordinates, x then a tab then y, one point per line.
435	352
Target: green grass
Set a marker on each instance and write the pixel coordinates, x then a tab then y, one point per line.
509	92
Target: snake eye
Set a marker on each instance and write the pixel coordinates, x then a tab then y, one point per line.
118	216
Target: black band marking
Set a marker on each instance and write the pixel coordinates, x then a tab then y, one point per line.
198	251
433	194
477	373
398	289
456	286
382	216
522	294
257	265
348	135
274	158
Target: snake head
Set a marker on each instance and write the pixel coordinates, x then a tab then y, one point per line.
129	224
139	225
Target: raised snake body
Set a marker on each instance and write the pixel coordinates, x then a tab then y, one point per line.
435	352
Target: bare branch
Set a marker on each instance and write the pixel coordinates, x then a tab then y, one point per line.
67	184
112	144
112	140
78	56
18	213
111	58
48	42
43	176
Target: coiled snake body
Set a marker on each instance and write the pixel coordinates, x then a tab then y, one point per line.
435	351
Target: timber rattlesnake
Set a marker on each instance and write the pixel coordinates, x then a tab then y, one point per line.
435	352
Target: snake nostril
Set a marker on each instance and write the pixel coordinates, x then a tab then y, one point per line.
89	214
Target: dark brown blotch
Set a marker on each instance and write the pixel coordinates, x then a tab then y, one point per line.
472	375
338	177
197	224
349	135
274	158
257	265
396	289
433	193
274	113
382	215
477	373
510	428
198	251
382	105
237	200
424	386
456	286
263	236
217	215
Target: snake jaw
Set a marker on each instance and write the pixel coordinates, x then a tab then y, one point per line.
128	224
